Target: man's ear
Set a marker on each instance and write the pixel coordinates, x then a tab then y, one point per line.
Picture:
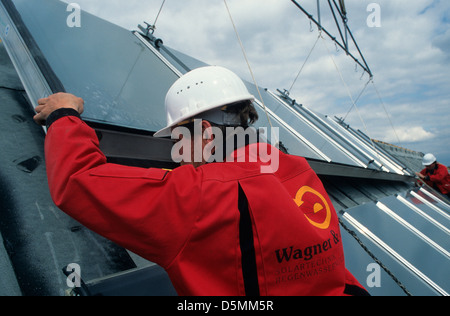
207	131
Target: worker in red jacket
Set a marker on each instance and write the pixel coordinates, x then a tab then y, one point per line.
435	175
250	221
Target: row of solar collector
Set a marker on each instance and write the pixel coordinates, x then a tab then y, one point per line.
123	77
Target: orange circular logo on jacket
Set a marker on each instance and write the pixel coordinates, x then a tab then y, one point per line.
308	194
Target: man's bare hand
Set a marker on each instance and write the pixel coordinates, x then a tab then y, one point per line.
47	106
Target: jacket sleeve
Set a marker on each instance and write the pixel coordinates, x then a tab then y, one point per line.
424	172
427	179
439	175
148	211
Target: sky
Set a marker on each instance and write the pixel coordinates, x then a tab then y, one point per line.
406	44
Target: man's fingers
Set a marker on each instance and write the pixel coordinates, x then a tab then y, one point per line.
56	101
39	108
38	118
42	101
41	114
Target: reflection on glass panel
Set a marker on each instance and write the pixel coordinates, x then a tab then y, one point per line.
122	82
423	248
359	258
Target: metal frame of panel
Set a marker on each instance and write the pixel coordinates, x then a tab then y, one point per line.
30	74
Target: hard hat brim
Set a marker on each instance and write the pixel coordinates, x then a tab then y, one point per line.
167	131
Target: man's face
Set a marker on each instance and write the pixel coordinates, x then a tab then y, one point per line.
193	160
431	167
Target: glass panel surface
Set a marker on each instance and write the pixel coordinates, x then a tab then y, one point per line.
430	205
415	249
357	261
435	230
122	82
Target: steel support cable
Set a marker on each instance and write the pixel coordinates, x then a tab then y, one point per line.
157	16
304	64
387	114
353	101
377	261
357	99
251	71
129	75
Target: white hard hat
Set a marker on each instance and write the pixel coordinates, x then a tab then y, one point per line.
428	159
202	90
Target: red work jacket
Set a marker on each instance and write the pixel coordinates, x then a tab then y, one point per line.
438	178
220	229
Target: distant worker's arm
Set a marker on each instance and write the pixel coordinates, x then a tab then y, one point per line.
420	175
134	207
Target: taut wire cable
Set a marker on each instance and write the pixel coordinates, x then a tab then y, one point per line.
250	69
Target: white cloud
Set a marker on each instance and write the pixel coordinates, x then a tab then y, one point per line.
408	134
